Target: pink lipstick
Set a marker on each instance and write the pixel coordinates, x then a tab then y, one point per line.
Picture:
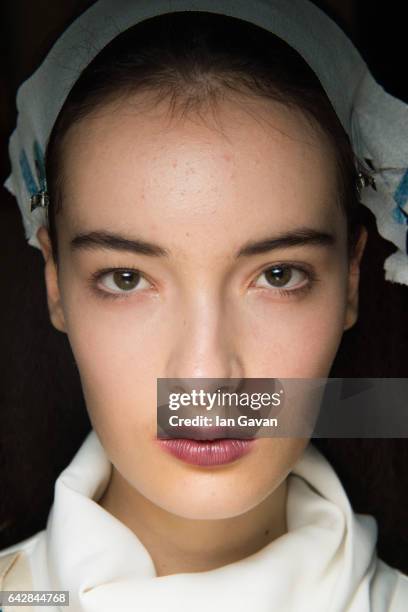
207	452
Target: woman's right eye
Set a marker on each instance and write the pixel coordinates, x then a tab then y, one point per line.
122	281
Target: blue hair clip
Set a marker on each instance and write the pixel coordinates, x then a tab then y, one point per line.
38	190
40	199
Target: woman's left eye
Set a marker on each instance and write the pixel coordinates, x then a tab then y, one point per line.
285	278
118	282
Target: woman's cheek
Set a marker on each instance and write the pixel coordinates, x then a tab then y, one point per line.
117	369
114	343
118	330
295	338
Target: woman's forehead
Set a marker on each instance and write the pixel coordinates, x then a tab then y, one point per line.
121	163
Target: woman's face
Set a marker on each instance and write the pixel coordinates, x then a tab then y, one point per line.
199	191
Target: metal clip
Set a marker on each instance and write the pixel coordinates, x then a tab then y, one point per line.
363	180
39	200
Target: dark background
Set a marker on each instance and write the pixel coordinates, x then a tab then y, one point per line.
43	417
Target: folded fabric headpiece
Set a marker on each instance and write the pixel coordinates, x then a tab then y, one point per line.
376	122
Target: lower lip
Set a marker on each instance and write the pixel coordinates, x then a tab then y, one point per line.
207	452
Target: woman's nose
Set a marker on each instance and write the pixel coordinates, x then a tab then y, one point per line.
205	345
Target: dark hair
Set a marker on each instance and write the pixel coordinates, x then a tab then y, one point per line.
193	59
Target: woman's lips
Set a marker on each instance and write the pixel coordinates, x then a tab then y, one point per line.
207	452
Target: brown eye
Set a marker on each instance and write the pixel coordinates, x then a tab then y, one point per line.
278	276
123	281
126	279
283	276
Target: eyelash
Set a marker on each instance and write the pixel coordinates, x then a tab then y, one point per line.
96	277
303	289
299	291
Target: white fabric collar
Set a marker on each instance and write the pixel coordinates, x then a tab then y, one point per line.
326	561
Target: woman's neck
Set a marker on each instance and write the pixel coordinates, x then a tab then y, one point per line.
178	545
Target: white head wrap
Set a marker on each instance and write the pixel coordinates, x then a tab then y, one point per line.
376	122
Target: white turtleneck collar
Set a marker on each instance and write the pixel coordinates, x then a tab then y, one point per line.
326	562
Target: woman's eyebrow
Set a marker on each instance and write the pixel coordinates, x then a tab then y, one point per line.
108	240
116	242
297	237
